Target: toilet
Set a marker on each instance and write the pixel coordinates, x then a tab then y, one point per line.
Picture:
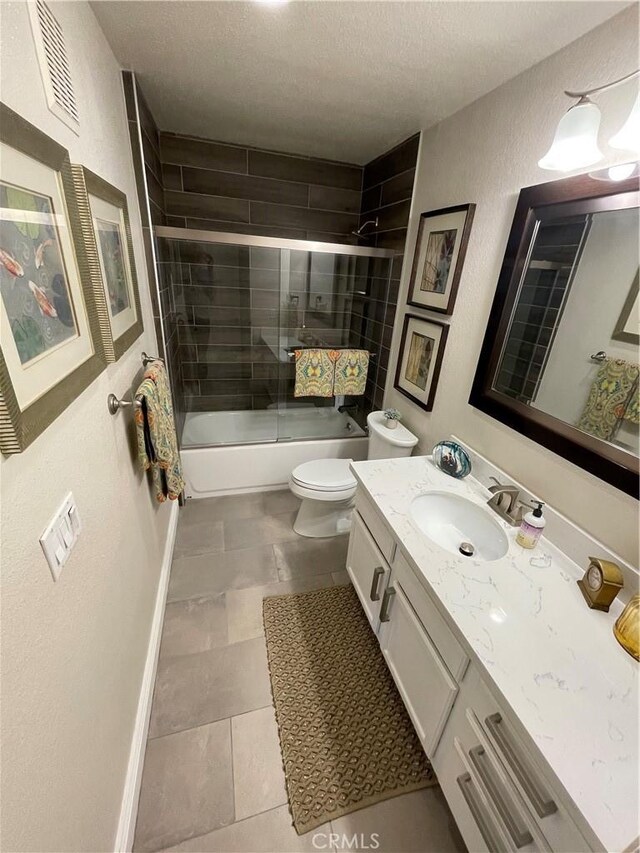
327	486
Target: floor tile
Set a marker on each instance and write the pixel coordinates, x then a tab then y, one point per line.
194	625
341	578
275	503
311	556
202	537
419	822
258	777
195	689
252	532
270	832
222	508
244	606
187	786
211	574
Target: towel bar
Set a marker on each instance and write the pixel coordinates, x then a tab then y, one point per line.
291	353
114	404
147	359
598	356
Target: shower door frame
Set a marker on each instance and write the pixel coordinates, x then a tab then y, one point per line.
171	233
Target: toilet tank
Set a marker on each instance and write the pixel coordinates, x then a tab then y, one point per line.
385	443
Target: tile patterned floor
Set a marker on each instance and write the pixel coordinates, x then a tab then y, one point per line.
213	778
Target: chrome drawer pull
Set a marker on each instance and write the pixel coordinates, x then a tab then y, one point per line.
541	802
374	595
521	836
483	821
386	603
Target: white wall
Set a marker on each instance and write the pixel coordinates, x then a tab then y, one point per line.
606	270
484	154
73	652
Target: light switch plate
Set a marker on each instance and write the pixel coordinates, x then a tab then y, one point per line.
61	535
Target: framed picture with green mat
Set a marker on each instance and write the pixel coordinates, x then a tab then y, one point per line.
50	343
106	231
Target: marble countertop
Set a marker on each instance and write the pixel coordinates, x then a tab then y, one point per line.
554	661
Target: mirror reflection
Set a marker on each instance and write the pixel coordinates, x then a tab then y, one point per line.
571	349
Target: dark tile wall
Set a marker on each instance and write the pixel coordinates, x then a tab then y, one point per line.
218	187
387	188
145	150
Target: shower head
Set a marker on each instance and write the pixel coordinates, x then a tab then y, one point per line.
359	231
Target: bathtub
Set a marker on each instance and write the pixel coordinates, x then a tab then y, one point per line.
225	453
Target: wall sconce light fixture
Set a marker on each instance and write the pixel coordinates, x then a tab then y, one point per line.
575	144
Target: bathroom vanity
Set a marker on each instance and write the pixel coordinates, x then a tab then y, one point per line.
523	700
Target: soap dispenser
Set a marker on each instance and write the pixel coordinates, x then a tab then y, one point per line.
531	527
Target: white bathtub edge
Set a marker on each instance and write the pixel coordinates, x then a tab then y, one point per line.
258	467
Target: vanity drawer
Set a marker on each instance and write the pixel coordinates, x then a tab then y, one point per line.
506	790
448	647
377	528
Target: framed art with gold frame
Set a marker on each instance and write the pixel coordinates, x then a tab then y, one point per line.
50	343
106	230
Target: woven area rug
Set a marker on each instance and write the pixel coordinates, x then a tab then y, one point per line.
346	739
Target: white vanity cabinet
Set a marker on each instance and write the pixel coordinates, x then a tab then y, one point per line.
495	786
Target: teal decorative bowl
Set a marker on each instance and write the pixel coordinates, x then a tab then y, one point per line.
452	459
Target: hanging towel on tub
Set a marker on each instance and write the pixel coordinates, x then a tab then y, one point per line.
608	397
315	369
156	433
351	372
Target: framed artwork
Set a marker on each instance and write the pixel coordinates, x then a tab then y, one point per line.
104	219
442	241
420	359
628	326
50	344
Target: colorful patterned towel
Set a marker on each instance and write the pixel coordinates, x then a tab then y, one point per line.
608	397
156	432
315	370
351	372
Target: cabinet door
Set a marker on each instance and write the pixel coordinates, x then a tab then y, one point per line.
424	682
368	569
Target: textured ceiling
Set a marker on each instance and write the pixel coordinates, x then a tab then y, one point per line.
344	79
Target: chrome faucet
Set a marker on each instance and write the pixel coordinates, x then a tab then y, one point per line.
505	502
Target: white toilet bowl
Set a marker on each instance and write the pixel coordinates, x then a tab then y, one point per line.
327	486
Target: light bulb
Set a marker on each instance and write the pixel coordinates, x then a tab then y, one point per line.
621	172
575	143
628	137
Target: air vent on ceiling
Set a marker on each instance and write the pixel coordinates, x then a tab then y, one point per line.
54	63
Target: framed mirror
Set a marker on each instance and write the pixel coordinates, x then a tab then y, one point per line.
559	361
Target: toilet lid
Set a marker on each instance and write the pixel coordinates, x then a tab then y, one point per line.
325	475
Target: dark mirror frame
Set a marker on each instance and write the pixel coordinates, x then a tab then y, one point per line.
606	461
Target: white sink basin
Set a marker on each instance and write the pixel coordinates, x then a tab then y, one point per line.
452	521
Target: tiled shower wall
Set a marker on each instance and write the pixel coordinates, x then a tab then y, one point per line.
386	194
218	187
145	149
238	304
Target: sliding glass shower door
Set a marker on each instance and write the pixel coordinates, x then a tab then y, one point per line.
241	307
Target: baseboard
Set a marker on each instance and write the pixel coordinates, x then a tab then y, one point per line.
131	793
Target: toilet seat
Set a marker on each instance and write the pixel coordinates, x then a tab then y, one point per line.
327	476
